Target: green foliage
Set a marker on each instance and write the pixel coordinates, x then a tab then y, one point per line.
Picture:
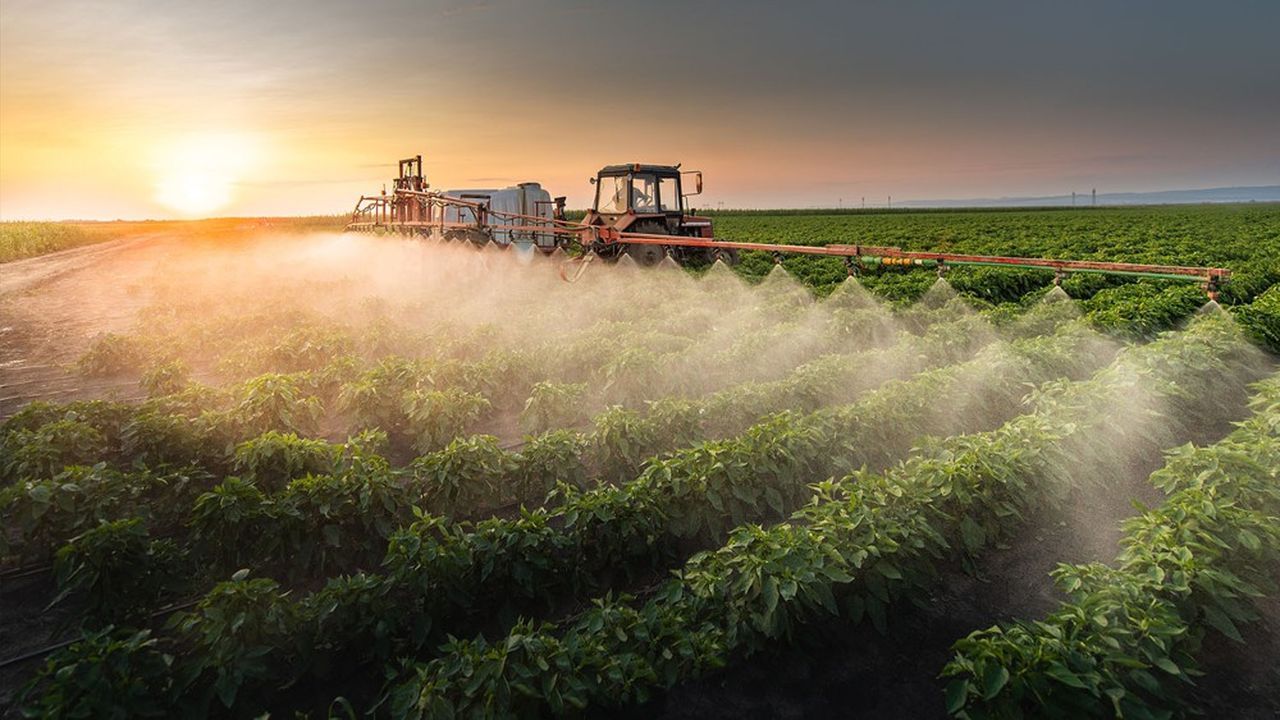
1261	319
153	438
166	378
867	541
276	402
337	523
193	400
110	673
272	459
688	460
1243	238
45	451
26	239
998	284
235	524
308	348
117	570
436	417
111	354
1141	310
1124	645
635	375
466	476
548	460
624	439
239	630
42	515
554	405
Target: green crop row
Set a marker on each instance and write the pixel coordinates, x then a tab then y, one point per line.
1261	319
1125	645
440	578
50	503
1243	238
868	540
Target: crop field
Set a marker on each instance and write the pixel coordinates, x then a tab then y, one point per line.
253	468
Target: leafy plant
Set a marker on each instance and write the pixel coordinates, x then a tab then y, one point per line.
436	417
1262	319
235	523
41	516
1125	644
240	630
117	570
334	523
166	378
110	673
276	402
110	354
45	451
548	460
466	476
272	459
554	405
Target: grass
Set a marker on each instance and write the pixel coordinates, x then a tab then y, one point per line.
27	239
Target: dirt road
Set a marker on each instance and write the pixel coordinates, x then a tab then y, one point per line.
52	306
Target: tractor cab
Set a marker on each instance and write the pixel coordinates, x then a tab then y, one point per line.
647	199
638	189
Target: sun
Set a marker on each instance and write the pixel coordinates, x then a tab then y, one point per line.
196	174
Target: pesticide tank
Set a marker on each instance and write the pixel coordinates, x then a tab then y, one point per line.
527	198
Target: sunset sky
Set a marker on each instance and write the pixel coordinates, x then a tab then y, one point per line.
138	109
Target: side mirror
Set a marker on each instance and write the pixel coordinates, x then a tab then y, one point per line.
697	182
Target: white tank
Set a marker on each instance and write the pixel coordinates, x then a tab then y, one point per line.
528	198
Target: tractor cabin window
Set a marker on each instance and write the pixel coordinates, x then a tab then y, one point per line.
611	198
644	194
669	194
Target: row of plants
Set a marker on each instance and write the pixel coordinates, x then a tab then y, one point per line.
1242	237
68	466
291	497
1261	319
1125	644
278	476
441	578
424	402
196	433
622	440
867	541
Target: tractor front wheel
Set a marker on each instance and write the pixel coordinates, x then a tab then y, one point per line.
645	255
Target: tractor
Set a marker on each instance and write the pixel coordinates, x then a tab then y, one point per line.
650	200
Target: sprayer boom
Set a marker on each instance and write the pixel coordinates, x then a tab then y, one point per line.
476	217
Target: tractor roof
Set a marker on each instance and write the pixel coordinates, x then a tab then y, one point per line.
639	167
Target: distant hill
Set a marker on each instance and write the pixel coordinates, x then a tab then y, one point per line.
1259	193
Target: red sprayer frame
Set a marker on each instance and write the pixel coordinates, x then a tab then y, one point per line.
422	212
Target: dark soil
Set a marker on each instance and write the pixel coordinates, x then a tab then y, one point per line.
25	627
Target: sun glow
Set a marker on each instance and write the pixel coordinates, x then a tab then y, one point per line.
196	174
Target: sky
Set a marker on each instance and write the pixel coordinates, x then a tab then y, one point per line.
148	109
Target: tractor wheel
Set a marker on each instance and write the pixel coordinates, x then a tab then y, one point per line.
728	256
645	255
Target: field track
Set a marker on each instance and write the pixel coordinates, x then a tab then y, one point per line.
52	306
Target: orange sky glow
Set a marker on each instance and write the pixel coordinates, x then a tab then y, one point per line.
140	109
